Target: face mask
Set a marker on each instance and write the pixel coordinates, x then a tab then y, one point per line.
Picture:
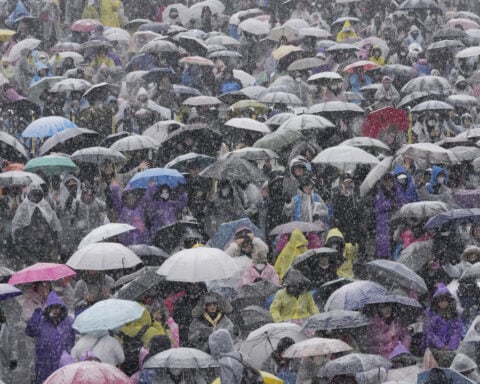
334	86
441	179
402	180
431	123
225	192
165	195
260	266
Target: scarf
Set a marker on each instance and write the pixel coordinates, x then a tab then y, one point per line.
212	322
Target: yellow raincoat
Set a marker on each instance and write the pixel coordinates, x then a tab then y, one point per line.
295	246
349	253
347	32
380	61
287	307
108	13
155	329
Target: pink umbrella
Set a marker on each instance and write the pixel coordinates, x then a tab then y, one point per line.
88	372
365	64
41	272
465	23
85	25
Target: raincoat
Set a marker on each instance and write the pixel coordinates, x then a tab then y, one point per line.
220	343
252	275
304	207
295	246
287	307
404	193
349	252
102	345
8	350
347	32
439	332
50	339
440	192
384	205
154	328
93	285
108	12
85	217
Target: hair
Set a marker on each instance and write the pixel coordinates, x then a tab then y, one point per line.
450	312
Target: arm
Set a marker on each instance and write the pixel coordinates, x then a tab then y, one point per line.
456	336
116	197
33	326
181	201
432	339
276	307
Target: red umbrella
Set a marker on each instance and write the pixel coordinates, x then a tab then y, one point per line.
380	119
41	272
85	25
88	372
365	64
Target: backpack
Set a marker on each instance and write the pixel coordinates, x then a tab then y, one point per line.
131	349
250	374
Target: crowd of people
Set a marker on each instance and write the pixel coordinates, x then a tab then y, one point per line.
328	149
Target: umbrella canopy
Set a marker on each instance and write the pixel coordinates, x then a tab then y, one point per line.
255	27
104	232
145	280
116	34
107	314
313	32
38	88
134	143
437	375
159	176
233	169
67	140
182	358
431	153
462	100
247	124
47	126
279	119
416	255
420	210
8	291
260	343
252	154
367	143
88	372
427	83
344	156
14	149
413	5
367	65
405	307
85	25
354	295
445	44
278	140
16	50
335	107
390	272
226	232
97	155
353	363
472	273
198	101
335	319
281	98
305	64
316	346
68	85
432	105
184	163
454	217
41	272
51	165
194	265
197	60
19	178
149	254
102	257
375	175
224	40
468	52
322	76
159	131
307	122
302	226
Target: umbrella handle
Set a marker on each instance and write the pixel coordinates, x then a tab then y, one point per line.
410	134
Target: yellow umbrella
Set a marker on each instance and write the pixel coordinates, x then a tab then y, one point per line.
267	377
245	104
6	34
284	50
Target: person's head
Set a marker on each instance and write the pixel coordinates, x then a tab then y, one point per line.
195	289
387	82
224	189
466	120
71	185
475	231
324	261
130	199
173	14
206	12
102	52
164	192
385	310
283	344
306	185
414	31
376	52
35	193
441	178
108	168
211	305
88	193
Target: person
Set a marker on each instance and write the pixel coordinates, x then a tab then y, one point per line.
297	244
208	316
52	329
384	206
8	349
92	287
442	327
280	366
387	95
245	243
109	12
294	302
359	79
438	186
405	190
421	66
157	345
415	36
299	167
347	32
376	56
306	205
259	270
105	347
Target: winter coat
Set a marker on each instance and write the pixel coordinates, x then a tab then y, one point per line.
258	246
200	330
384	204
220	342
50	18
287	307
381	94
404	195
108	12
305	207
422	67
438	332
382	338
23	73
105	347
295	247
50	339
251	275
440	192
182	314
94	286
86	217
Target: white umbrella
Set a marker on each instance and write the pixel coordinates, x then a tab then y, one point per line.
431	153
344	156
105	232
354	295
296	24
67	85
306	122
254	92
247	124
116	34
223	40
182	11
375	175
313	32
195	11
97	155
245	78
102	257
255	27
183	358
316	346
159	46
252	154
276	34
281	97
16	50
367	142
60	57
198	264
19	178
468	52
135	143
159	131
197	101
466	153
279	119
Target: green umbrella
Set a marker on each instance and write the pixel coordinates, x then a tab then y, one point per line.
51	165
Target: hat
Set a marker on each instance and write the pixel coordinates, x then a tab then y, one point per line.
413	28
386	79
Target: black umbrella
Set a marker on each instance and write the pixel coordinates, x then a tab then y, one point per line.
233	169
172	236
156	74
409	309
308	262
449	34
110	139
336	319
150	255
12	149
146	280
253	294
255	317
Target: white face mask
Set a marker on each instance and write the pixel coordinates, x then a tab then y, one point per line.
165	195
402	180
440	179
260	266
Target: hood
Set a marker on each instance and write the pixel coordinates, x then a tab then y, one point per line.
34	187
39	66
314	241
297	239
460	79
414	28
53	299
436	170
298	160
295	278
220	342
470	250
142	92
466	116
224	305
442	290
462	363
334	232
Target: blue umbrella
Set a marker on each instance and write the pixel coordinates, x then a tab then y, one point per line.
451	375
143	62
47	126
107	314
354	295
7	291
226	232
160	176
454	217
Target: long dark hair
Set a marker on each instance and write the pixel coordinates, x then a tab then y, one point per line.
449	313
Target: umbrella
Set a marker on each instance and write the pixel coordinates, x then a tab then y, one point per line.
8	291
449	34
313	32
420	210
13	149
254	316
216	6
365	64
244	123
431	153
465	101
193	44
417	254
97	155
71	138
432	105
246	104
283	32
468	52
134	143
224	54
107	314
414	5
398	70
375	175
354	295
38	88
316	346
306	122
391	272
472	273
104	232
232	97
5	272
88	372
91	93
285	50
474	34
195	265
454	217
206	138
353	363
102	257
278	140
184	163
68	85
472	134
224	40
367	143
406	307
47	126
159	131
51	165
307	263
252	154
245	78
197	60
279	119
427	83
255	27
144	281
6	34
19	178
16	50
182	358
154	26
452	142
260	343
335	108
416	97
465	23
116	34
233	169
466	153
85	25
445	44
466	15
198	101
225	233
254	92
41	272
159	176
66	46
344	156
183	90
149	254
142	61
451	376
300	225
280	98
335	319
328	76
342	47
